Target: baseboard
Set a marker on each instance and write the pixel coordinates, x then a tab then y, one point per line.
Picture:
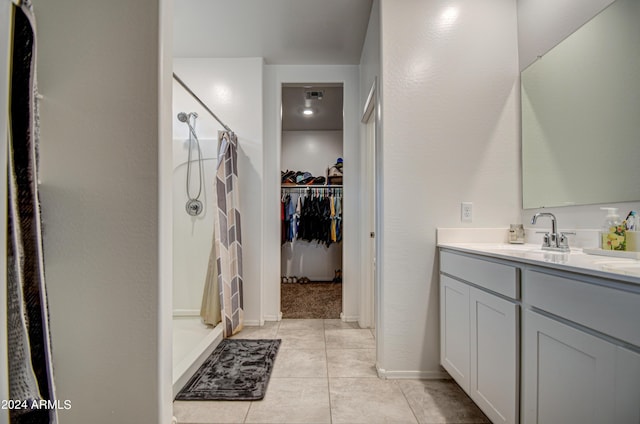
252	323
186	312
273	317
348	318
414	375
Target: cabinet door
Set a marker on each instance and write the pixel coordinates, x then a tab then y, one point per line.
627	392
494	356
569	375
454	329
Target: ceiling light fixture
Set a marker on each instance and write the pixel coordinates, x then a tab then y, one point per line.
308	112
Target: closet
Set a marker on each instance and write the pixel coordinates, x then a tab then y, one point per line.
311	200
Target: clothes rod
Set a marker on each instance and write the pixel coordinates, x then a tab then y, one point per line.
175	77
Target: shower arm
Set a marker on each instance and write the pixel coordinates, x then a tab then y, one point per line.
201	102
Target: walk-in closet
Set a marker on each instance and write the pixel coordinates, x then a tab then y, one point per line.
311	200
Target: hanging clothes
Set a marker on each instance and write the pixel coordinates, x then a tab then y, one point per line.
284	223
292	228
334	237
338	219
312	216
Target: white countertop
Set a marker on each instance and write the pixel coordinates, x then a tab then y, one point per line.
621	269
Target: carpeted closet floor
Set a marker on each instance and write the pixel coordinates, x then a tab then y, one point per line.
311	300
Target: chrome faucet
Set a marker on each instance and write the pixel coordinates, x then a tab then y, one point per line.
554	241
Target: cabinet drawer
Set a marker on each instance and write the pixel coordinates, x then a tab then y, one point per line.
499	278
605	309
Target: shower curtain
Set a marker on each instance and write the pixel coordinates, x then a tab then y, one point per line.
210	309
29	344
227	248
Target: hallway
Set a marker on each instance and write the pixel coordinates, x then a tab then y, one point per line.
324	373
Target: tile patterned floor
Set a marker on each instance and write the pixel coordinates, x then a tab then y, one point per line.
324	374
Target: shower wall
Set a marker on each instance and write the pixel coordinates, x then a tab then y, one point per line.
192	235
232	88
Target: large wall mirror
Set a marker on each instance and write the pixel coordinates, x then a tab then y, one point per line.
581	115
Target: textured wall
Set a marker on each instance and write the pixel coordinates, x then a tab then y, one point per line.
450	115
98	72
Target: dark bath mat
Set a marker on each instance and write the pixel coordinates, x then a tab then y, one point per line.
238	369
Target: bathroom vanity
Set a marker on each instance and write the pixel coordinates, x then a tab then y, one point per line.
541	337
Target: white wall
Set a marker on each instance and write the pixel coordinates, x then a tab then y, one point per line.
370	59
450	110
98	72
192	235
274	77
311	151
232	89
315	261
541	25
314	152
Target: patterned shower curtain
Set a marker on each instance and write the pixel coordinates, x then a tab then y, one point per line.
228	235
29	344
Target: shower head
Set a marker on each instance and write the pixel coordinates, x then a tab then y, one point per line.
186	118
183	117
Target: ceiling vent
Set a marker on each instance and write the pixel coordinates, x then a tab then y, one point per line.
313	95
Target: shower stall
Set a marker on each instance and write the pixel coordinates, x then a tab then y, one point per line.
194	164
226	88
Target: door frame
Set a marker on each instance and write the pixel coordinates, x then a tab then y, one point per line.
343	263
274	77
369	223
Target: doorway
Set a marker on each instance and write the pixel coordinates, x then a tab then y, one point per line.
311	259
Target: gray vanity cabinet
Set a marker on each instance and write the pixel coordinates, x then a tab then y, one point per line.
479	331
536	340
574	371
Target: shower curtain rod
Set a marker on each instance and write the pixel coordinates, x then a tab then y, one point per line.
175	77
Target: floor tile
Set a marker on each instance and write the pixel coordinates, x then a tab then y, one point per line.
368	401
349	339
300	338
301	324
293	400
300	363
351	362
440	401
210	412
338	323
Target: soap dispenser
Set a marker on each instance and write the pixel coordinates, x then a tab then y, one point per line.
612	233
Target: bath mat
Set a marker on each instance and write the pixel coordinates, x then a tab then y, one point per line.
238	369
